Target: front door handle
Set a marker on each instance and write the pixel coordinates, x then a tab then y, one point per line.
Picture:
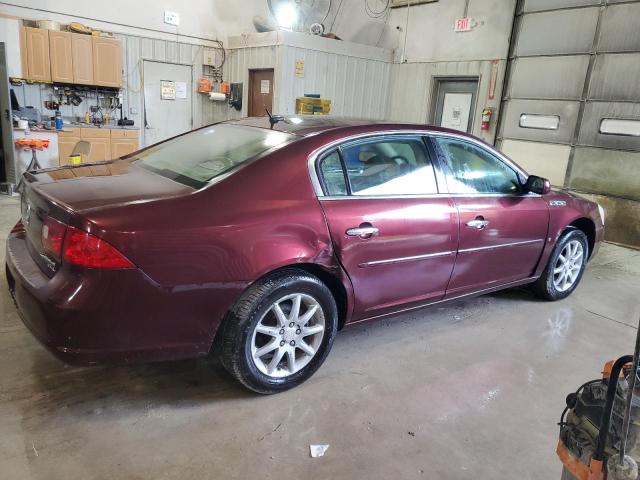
478	222
363	231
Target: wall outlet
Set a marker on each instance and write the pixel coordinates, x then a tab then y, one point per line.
133	111
172	18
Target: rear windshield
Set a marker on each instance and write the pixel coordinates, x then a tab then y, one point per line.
198	157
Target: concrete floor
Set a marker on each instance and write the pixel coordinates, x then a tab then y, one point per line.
470	391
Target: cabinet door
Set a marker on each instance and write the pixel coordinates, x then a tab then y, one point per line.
61	59
24	65
107	62
100	150
65	147
38	64
123	146
82	52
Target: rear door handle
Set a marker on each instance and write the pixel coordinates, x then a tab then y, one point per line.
363	231
478	223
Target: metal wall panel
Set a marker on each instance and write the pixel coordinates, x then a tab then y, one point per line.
567	111
545	159
411	95
538	5
620	28
590	128
615	77
357	87
610	172
565	31
239	62
549	77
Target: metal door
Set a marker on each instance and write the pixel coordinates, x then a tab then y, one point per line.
397	245
455	104
168	94
260	92
7	165
502	228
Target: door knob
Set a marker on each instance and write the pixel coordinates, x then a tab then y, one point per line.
365	230
479	222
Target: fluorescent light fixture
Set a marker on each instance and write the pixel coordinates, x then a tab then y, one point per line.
620	126
287	16
542	122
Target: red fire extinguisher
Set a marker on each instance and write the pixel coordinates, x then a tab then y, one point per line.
486	118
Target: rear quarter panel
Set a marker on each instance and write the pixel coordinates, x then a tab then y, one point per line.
226	236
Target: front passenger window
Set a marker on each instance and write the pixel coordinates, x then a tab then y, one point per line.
474	170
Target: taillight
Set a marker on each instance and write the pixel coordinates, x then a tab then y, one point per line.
52	237
87	250
18	227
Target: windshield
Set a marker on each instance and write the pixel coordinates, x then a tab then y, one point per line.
200	156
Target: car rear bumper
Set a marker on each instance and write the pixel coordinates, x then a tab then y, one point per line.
88	316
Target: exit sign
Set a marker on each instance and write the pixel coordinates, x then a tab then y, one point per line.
463	25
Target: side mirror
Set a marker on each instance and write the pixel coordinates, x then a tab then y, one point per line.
538	185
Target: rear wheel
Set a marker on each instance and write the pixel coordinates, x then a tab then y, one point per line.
565	267
279	332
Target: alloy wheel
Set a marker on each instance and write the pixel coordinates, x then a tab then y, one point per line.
568	266
288	335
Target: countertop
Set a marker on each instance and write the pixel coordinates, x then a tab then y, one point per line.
67	126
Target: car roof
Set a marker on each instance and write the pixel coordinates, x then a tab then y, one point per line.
307	125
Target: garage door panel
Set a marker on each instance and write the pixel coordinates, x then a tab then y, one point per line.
610	172
544	159
619	28
615	77
566	111
565	31
594	112
538	5
549	77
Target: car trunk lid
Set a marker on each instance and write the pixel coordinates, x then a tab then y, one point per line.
65	194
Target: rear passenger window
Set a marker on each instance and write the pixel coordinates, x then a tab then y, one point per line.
389	166
332	175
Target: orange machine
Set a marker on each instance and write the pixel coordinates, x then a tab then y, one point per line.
600	426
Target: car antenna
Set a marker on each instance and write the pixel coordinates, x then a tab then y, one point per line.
273	119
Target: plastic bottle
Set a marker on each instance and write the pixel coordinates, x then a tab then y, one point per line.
59	122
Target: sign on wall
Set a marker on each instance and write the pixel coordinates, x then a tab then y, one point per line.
167	90
299	68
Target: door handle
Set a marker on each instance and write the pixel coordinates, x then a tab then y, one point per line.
363	231
478	222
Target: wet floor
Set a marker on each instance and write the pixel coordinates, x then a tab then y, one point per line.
470	391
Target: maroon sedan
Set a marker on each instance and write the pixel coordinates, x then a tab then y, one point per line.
264	240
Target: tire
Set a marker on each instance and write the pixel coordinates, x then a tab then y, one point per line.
552	285
255	333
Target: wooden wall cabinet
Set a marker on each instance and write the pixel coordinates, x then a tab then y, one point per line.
61	58
82	54
107	62
37	54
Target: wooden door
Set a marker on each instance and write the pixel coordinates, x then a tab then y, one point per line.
100	141
123	146
37	46
65	147
107	62
82	53
61	59
260	92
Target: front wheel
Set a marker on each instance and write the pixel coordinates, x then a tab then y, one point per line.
279	332
565	267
